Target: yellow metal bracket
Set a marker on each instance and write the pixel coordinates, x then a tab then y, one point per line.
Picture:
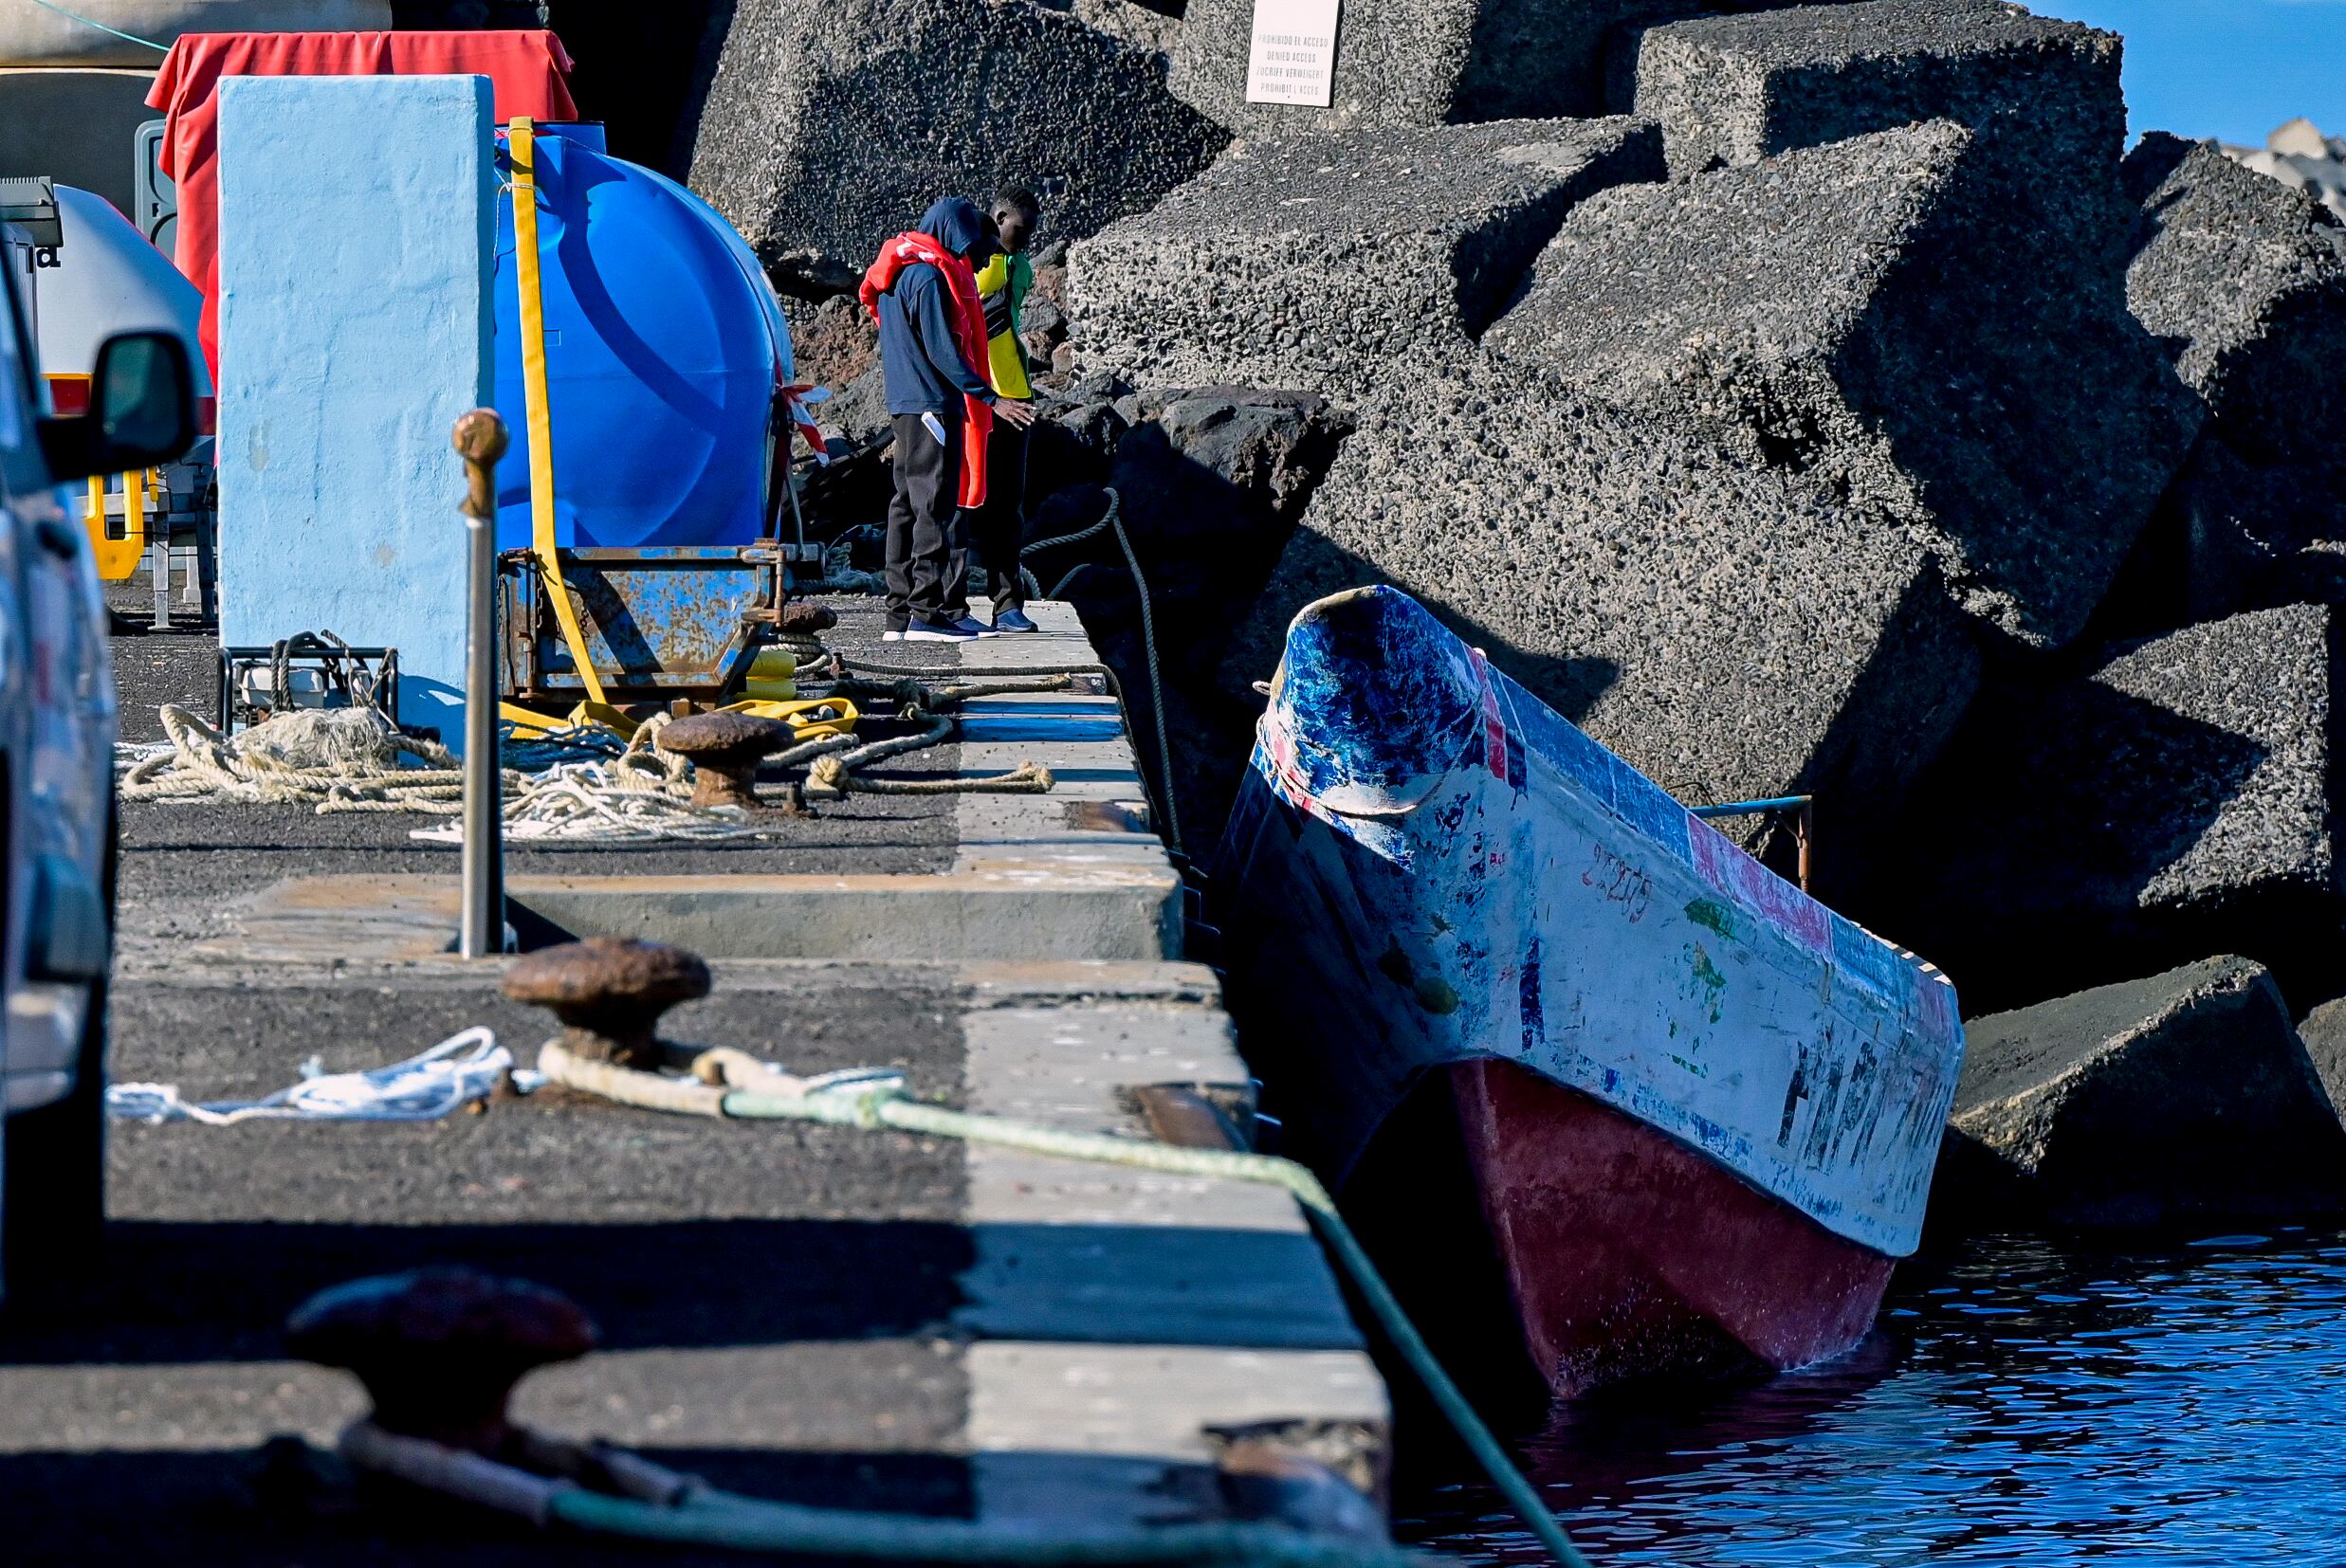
116	559
523	141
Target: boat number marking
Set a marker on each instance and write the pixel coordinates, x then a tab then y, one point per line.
1620	881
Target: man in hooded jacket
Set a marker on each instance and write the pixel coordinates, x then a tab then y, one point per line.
922	292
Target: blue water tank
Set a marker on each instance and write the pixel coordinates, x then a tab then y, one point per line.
665	350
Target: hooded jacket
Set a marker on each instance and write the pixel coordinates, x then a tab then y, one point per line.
922	295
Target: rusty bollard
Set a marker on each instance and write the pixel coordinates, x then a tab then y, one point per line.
608	992
440	1349
725	750
800	619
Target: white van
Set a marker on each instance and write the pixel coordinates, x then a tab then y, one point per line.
57	723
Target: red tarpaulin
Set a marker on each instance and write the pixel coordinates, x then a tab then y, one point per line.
529	70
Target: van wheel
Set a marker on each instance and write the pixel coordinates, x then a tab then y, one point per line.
54	1189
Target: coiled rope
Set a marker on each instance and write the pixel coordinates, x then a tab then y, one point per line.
872	1106
337	759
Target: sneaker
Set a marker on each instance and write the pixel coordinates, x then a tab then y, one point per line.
975	627
893	634
1014	620
928	632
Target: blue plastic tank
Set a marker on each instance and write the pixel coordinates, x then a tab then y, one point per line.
666	348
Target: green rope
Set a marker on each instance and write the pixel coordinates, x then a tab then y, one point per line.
756	1525
125	37
888	1108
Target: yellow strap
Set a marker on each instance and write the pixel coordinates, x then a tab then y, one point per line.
806	716
530	725
523	143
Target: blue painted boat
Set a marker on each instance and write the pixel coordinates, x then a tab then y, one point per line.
1699	1109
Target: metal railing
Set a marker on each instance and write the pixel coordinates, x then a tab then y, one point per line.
1803	808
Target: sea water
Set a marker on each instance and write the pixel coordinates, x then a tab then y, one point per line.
2023	1403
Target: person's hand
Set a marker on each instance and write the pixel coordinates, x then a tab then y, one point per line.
1016	412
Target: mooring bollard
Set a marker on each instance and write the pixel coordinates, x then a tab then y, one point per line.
440	1349
609	992
481	441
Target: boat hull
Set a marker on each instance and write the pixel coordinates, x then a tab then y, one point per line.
1630	1256
1701	1110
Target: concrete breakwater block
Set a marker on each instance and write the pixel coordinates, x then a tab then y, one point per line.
1332	263
1878	313
1425	61
1733	90
1732	632
2245	280
2323	1030
2176	797
829	127
2182	1097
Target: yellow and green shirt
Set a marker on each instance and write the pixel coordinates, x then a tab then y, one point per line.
1003	286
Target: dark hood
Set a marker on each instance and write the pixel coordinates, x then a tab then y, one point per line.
956	224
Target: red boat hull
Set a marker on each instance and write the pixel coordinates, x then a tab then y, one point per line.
1630	1256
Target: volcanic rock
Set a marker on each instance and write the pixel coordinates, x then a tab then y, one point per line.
1144	23
1425	61
831	124
1733	90
839	344
2246	281
2181	1098
1881	314
2325	1033
1334	263
2176	797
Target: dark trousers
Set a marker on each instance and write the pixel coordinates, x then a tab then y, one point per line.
999	527
926	555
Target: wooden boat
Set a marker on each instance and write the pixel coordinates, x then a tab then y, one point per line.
1699	1109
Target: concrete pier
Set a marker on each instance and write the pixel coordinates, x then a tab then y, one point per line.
859	1319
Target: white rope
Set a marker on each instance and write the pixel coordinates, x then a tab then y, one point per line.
588	804
462	1068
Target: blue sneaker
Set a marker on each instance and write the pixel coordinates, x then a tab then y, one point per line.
1014	620
932	631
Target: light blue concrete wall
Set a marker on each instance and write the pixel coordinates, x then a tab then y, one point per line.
357	220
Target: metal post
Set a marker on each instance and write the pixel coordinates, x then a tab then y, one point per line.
481	441
157	533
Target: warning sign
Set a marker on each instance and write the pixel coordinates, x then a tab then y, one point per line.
1294	59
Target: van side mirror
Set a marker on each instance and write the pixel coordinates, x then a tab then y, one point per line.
141	412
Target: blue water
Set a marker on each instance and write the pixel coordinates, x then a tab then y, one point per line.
2019	1405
